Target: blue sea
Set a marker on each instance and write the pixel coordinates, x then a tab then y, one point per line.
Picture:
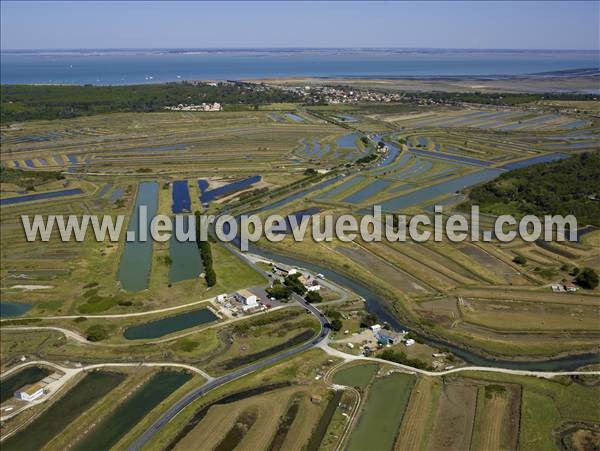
121	67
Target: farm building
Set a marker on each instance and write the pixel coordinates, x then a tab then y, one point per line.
316	399
247	298
569	286
30	392
387	337
284	270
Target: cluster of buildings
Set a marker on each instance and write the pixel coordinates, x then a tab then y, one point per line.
389	337
242	302
200	107
343	94
380	337
565	286
310	283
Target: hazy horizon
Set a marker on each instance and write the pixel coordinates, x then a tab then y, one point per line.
547	25
263	48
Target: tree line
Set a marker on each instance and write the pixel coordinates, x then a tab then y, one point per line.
27	102
206	254
569	186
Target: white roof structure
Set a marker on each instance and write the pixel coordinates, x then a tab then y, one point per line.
247	297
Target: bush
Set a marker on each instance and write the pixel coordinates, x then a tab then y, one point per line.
520	260
400	357
366	159
293	281
587	278
165	259
206	254
96	333
313	296
211	277
336	325
333	314
368	320
279	291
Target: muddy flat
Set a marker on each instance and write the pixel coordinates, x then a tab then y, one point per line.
453	423
383	270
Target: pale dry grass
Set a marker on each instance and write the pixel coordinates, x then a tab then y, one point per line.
454	418
413	434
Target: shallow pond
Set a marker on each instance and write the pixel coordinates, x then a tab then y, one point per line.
116	195
182	203
340	188
15	381
64	411
299	216
165	326
368	191
186	263
40	196
298	195
347	141
456	158
295	117
535	160
8	308
210	195
136	261
104	189
110	430
431	192
168	148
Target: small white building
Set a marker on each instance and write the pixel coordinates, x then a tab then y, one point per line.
247	298
409	342
30	392
375	327
313	287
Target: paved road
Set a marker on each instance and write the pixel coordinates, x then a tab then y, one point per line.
489	369
217	382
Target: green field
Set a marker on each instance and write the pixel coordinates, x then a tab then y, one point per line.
355	376
382	413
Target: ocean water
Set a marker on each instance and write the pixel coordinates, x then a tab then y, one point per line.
105	67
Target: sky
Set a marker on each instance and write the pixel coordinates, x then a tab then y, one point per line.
139	24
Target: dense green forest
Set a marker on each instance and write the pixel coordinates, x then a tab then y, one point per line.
27	102
28	179
497	98
570	186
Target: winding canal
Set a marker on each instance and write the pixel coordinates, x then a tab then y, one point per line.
379	307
